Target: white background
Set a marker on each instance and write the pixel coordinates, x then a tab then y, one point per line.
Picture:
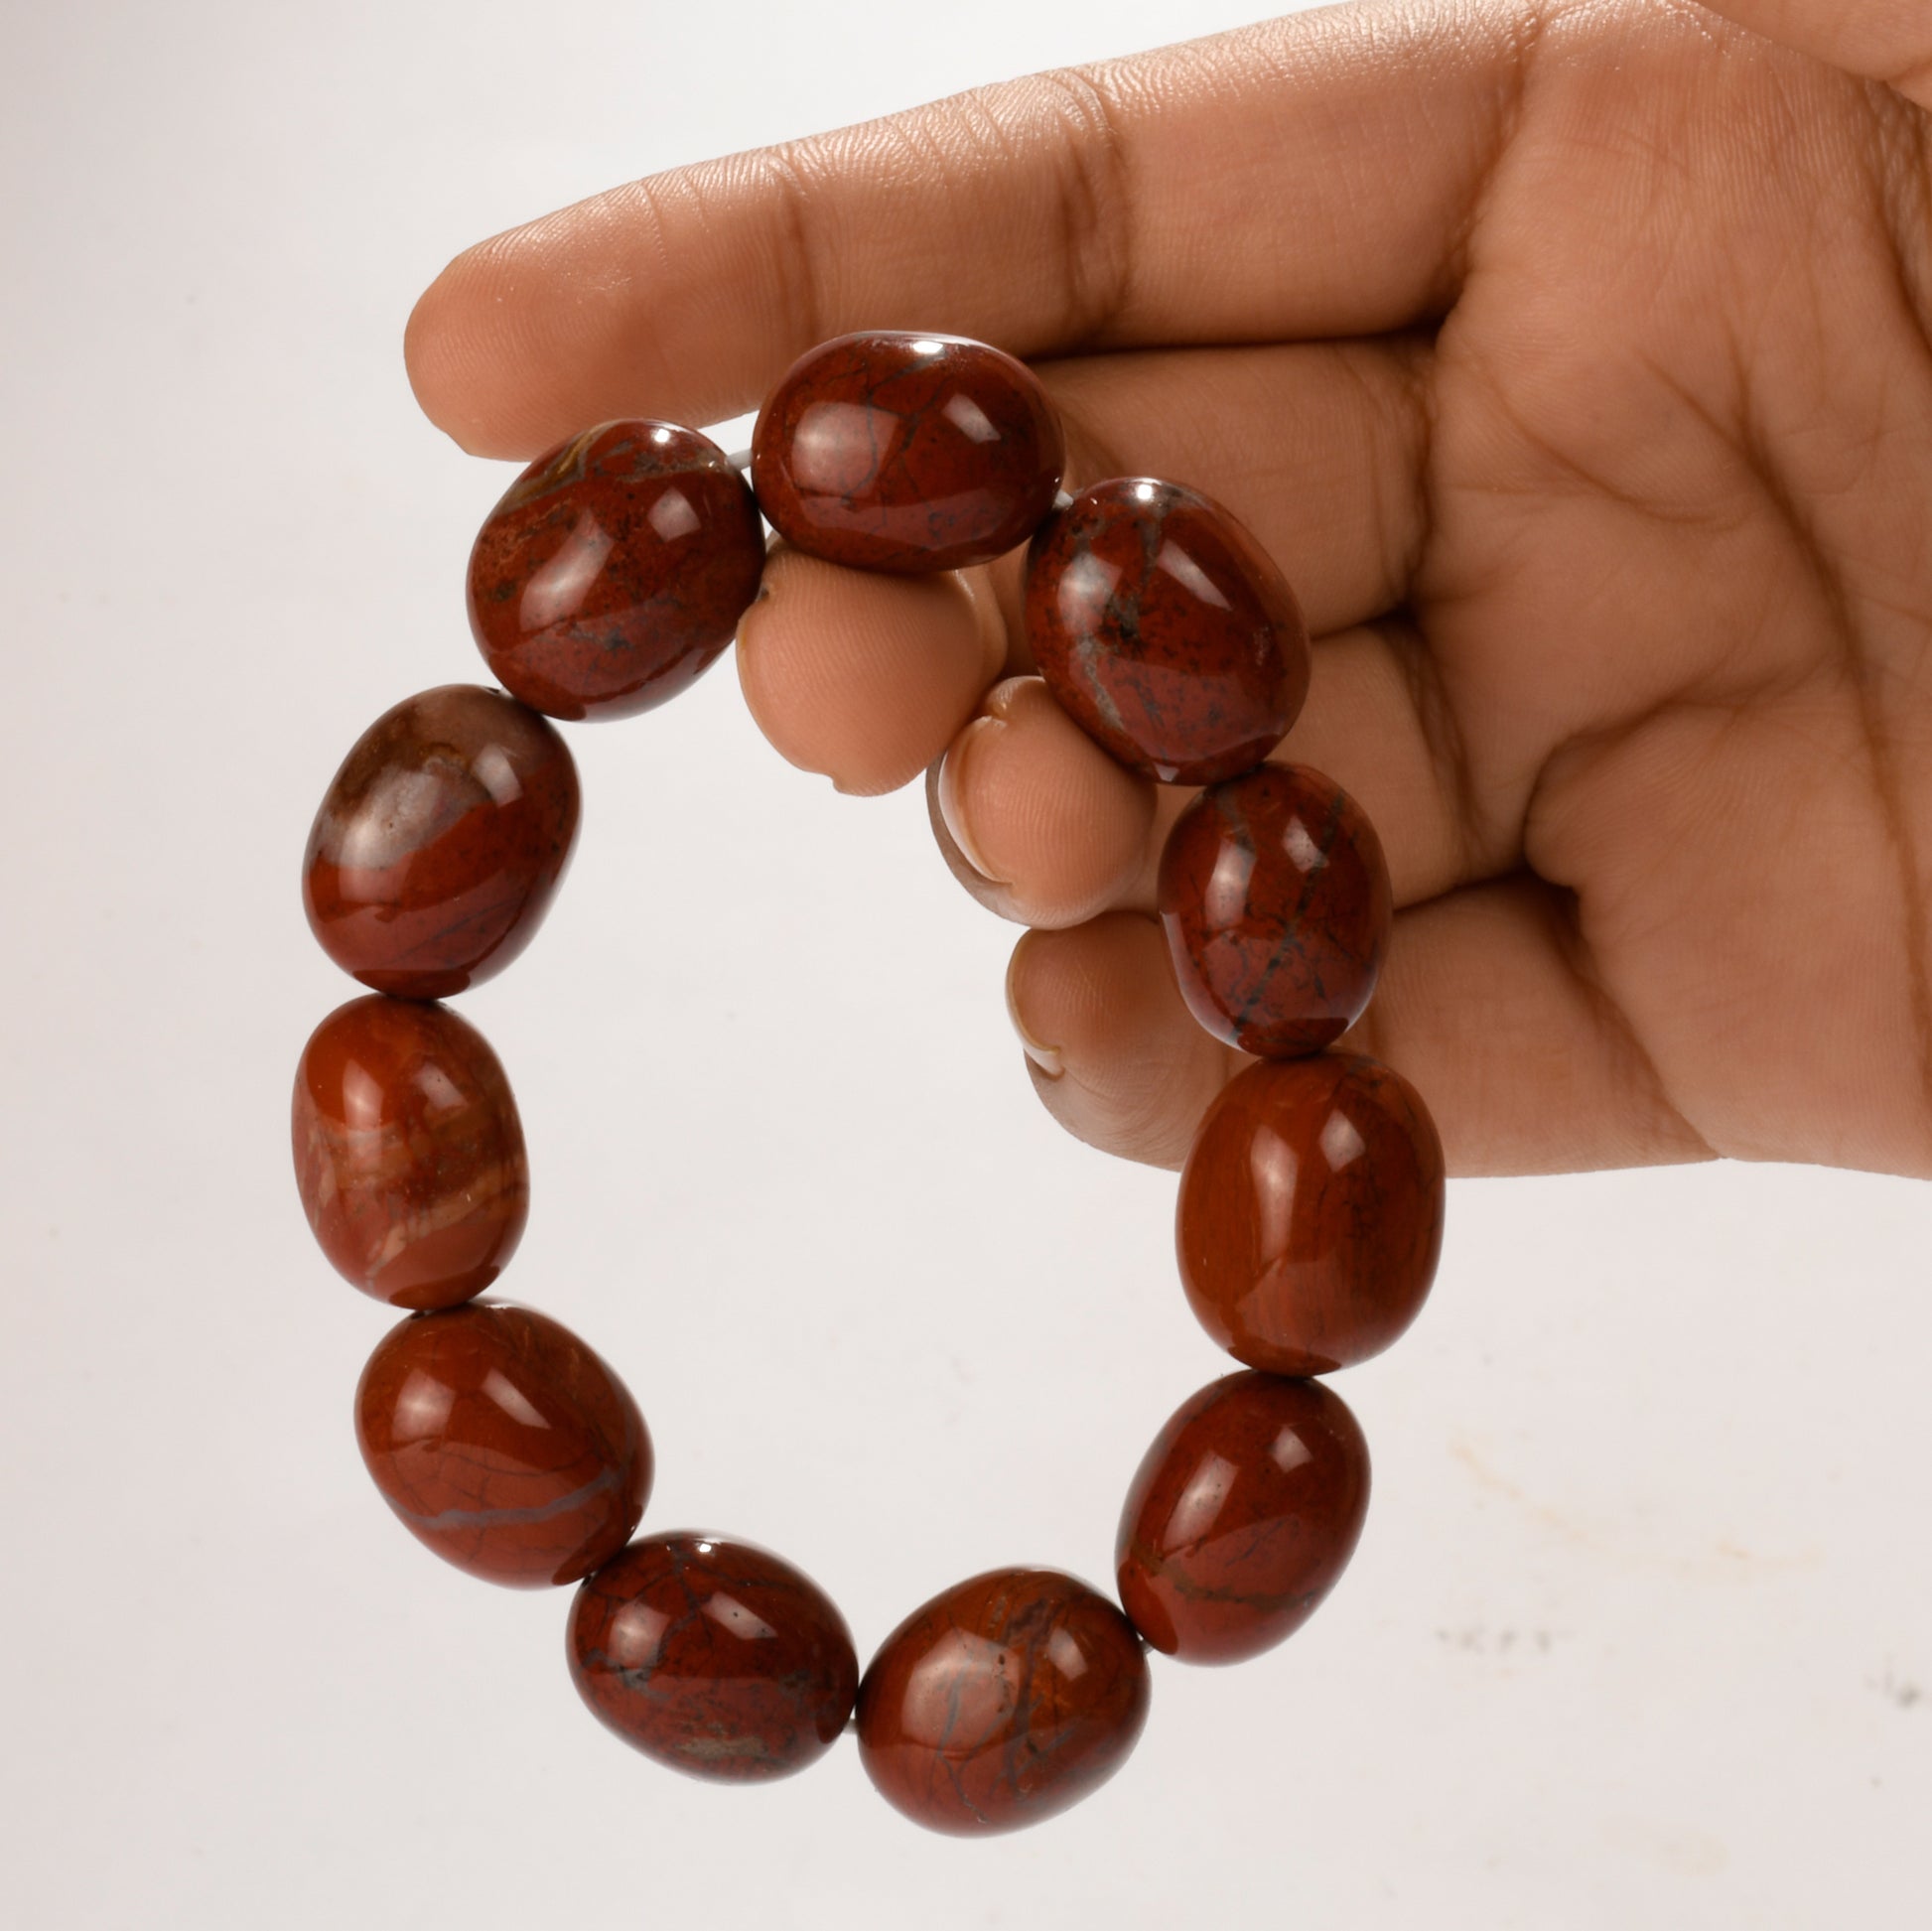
1639	1634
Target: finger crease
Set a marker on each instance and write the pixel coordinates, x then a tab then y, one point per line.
1092	197
1563	908
800	291
1442	732
1524	32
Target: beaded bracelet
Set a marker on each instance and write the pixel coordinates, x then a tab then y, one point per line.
610	576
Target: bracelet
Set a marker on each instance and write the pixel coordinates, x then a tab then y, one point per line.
1310	1215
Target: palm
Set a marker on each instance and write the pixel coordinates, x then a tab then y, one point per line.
1672	591
1600	455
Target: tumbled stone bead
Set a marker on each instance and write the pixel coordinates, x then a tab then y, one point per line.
1003	1701
439	841
408	1152
1310	1218
1276	903
907	452
1165	630
1241	1517
615	570
503	1443
712	1656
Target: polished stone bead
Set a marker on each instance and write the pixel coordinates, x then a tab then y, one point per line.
907	452
1241	1517
503	1443
1276	903
1310	1218
439	841
615	570
1165	630
1003	1701
408	1152
712	1656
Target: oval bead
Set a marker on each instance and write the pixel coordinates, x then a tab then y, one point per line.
1003	1701
503	1443
1165	630
715	1657
408	1152
441	842
907	452
615	570
1309	1217
1276	902
1242	1516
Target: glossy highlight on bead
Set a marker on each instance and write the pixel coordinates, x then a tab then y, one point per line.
1002	1701
712	1656
1165	629
408	1152
898	452
1309	1217
1241	1517
1276	903
503	1443
439	841
615	569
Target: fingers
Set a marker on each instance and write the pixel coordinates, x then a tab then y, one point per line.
1113	1053
1045	829
1032	816
1526	1065
865	678
1487	1004
868	678
1377	723
1317	447
1106	206
1023	793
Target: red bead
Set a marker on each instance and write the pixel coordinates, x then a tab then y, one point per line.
439	841
907	452
615	570
1310	1212
1166	630
713	1657
504	1443
408	1152
1002	1701
1243	1514
1276	903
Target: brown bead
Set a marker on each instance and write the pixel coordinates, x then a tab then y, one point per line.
1166	630
1002	1701
408	1152
907	452
715	1657
439	841
1277	907
615	570
504	1443
1243	1514
1310	1212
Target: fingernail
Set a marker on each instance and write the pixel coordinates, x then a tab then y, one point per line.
953	794
1050	1059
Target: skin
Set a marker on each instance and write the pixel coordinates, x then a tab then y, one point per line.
1576	362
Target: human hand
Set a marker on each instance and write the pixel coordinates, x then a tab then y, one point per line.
1574	361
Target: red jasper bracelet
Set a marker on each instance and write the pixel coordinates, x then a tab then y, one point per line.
611	573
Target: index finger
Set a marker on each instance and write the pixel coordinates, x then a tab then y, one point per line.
1309	177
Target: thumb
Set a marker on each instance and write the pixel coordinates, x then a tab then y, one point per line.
1882	40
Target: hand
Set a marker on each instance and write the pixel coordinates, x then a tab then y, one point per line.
1573	359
